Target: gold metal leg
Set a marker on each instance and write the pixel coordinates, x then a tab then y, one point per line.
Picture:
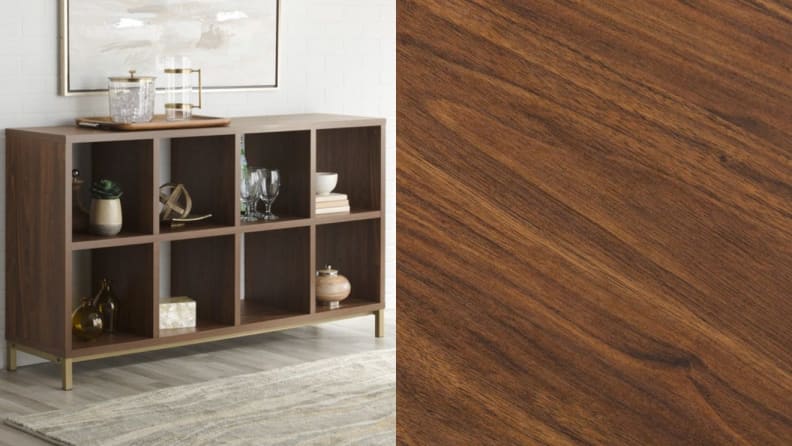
379	323
66	372
11	357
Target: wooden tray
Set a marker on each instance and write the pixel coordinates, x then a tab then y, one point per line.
158	123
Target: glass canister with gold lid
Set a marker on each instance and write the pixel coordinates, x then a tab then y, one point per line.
131	98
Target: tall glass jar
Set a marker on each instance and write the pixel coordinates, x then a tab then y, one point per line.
179	90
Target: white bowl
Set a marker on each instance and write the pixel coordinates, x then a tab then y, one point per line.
325	182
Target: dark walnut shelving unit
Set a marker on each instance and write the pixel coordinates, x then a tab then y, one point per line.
246	278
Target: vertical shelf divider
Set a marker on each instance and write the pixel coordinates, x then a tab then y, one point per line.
312	188
237	180
154	163
382	205
311	269
155	292
312	192
67	227
238	265
155	178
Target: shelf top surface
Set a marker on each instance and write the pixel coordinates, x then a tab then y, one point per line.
245	124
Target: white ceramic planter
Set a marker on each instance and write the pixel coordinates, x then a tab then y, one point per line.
105	216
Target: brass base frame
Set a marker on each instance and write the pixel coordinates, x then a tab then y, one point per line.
66	372
11	357
379	323
66	364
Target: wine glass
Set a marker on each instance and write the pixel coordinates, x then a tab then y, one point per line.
269	187
248	192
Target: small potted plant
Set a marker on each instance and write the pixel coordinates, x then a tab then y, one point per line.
105	215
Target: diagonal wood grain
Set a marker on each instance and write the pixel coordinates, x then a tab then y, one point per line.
595	222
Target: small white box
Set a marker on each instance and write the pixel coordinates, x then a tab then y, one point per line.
176	312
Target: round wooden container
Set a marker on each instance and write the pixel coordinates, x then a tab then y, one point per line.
331	287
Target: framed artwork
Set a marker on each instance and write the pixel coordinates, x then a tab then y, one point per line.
233	42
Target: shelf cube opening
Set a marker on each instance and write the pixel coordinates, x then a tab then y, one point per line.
354	153
290	153
277	274
202	269
131	270
353	248
128	163
206	166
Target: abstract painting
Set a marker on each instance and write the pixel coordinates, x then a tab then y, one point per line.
234	42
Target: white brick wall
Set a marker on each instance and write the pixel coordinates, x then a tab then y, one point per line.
337	56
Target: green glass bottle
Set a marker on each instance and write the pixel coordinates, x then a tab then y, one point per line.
244	171
107	305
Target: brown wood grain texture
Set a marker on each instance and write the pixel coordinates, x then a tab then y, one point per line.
595	222
35	238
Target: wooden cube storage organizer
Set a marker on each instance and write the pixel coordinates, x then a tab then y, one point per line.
49	269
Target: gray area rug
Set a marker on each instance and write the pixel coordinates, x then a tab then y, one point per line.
349	400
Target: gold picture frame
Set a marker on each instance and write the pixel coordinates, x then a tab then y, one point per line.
219	78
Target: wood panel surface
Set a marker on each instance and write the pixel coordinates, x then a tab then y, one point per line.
595	222
35	237
203	269
206	166
277	272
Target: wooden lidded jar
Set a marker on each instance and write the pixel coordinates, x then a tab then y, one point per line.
331	287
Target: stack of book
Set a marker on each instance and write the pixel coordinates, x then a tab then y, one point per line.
332	204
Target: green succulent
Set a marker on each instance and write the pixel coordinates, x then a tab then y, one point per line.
106	190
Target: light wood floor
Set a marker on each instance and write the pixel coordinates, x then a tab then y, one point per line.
36	388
